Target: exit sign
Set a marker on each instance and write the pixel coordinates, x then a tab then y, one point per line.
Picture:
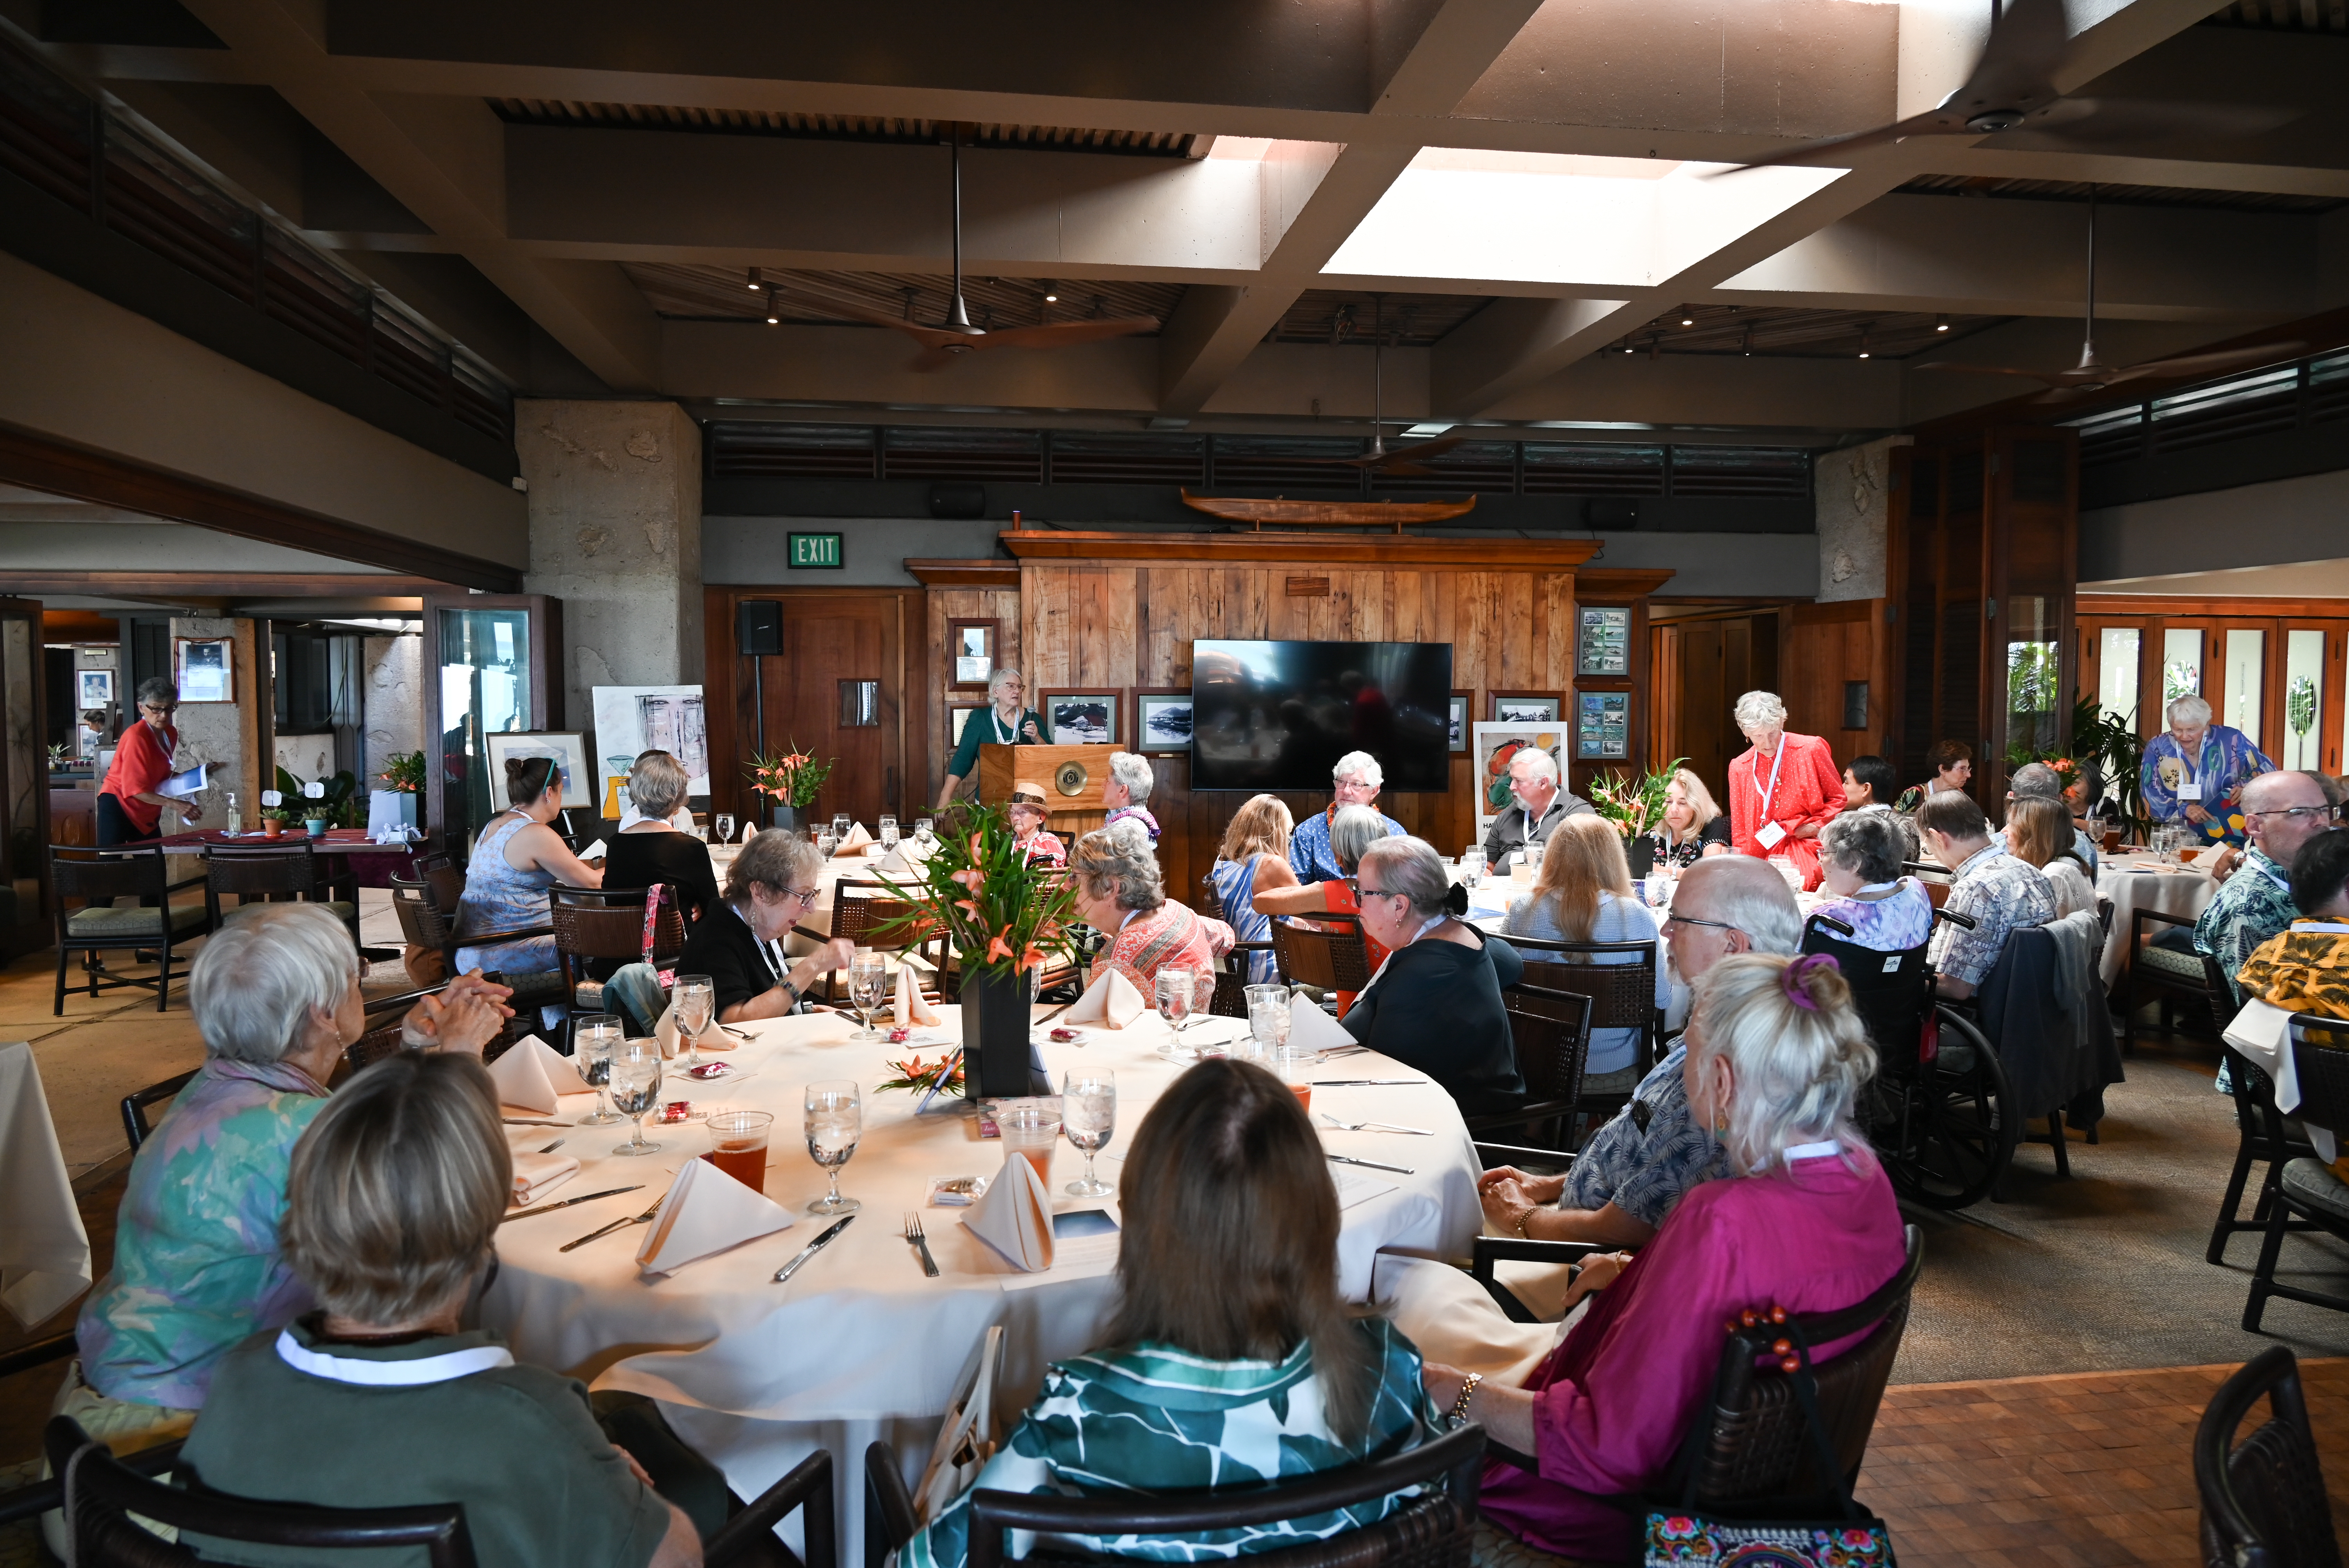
815	550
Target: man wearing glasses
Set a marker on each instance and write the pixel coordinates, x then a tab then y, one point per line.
2282	811
128	810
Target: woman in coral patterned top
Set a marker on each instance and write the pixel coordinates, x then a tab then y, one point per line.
1120	894
1782	790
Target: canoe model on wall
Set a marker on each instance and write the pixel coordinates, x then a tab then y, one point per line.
1396	515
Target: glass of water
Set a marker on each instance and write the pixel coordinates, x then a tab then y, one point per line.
840	826
695	1005
926	832
723	824
835	1122
1175	994
824	842
869	986
1472	867
636	1090
593	1040
1089	1117
888	834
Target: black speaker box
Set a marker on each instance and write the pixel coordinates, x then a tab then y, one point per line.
1611	511
957	503
759	626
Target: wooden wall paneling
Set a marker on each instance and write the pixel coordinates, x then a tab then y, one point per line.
935	672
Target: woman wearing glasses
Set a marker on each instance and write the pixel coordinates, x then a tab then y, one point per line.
128	810
740	944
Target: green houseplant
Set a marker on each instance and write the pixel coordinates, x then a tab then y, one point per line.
1634	805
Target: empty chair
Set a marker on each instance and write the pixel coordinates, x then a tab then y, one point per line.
94	879
596	930
1326	955
2263	1499
271	873
1620	978
1551	1031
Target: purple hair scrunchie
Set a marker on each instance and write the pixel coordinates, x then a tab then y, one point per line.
1790	979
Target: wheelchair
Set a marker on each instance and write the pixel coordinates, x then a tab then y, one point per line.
1939	1112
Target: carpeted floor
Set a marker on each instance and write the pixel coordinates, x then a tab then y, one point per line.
2105	1271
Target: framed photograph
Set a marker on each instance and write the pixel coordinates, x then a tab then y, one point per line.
96	689
971	646
1457	723
1604	645
1494	747
1602	727
631	720
567	747
1084	717
205	669
957	715
1522	707
1162	721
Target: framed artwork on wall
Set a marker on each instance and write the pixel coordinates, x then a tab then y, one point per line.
97	689
971	647
204	668
1603	647
1522	707
1162	720
1494	747
1085	716
567	747
957	715
1461	714
1602	725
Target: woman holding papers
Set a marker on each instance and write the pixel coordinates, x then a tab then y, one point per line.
1121	893
130	811
1231	1361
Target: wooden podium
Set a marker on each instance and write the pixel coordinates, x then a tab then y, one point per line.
1068	816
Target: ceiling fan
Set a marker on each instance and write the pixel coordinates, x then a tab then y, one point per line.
2012	92
1382	458
957	335
2092	375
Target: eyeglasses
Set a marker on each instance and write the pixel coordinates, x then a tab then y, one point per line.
166	709
1672	920
804	900
1361	892
2290	811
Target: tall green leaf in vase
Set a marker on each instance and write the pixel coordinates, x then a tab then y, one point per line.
999	915
1634	803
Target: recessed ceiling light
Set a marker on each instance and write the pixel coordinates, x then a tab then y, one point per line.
1051	295
755	283
1688	321
774	321
1942	323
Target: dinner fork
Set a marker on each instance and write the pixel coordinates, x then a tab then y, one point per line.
1375	1126
615	1224
914	1235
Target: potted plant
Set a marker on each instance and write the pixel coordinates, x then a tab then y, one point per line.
403	778
1634	805
793	780
272	821
1002	920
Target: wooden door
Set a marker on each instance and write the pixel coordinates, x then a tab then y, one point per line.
839	689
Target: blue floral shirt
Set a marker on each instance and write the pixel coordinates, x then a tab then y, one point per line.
2227	762
2250	907
1646	1169
1309	847
196	1263
2000	892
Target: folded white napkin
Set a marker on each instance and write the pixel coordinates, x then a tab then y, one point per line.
665	1031
911	1008
1015	1218
1311	1029
531	1074
706	1212
1111	1000
895	861
536	1174
854	843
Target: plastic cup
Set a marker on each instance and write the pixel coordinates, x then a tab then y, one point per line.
737	1145
1034	1131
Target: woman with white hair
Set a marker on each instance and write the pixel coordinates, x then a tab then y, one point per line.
2194	773
1776	1059
1129	785
653	848
1120	892
197	1264
1782	790
1004	723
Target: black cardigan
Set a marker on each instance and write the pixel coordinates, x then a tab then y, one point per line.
722	946
1438	1008
640	860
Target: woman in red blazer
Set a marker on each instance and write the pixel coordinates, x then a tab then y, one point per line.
1782	790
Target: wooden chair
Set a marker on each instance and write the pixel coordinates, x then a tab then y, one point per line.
597	926
1551	1031
2165	975
872	913
2263	1499
2307	1190
1433	1531
95	878
1232	980
1327	956
271	873
1620	978
427	907
2254	1095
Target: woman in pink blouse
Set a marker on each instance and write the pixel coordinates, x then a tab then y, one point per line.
1121	893
1777	1058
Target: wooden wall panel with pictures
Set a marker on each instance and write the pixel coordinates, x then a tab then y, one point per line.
959	591
1110	610
1619	595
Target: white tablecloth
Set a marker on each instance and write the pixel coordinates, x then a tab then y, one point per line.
860	1345
44	1250
2144	881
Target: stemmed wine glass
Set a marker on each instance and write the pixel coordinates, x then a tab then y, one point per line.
1174	997
841	822
1089	1116
926	832
598	1035
835	1122
695	1004
723	823
636	1090
888	834
868	984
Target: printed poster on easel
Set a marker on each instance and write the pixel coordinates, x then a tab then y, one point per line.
631	720
1494	747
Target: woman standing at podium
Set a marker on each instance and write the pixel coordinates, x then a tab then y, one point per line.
1008	723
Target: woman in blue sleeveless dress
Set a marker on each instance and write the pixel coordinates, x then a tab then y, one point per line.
1253	859
517	858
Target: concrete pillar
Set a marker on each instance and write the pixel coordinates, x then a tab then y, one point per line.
395	700
1854	508
616	534
224	734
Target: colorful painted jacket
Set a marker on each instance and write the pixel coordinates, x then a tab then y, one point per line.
196	1263
1153	1419
2228	760
2304	970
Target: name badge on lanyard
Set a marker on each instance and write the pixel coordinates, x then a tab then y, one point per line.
2190	787
1769	834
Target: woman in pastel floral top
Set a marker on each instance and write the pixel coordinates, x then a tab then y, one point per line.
1231	1361
1859	857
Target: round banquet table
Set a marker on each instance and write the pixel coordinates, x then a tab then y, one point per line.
2135	881
860	1345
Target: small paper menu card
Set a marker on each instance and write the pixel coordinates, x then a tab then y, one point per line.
1311	1029
1111	1000
911	1008
854	843
706	1212
1015	1218
531	1074
536	1174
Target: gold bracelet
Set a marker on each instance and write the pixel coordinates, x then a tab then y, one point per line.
1467	1392
1523	1216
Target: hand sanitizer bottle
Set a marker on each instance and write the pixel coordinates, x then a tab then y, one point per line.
235	819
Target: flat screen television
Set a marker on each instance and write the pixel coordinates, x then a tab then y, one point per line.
1276	716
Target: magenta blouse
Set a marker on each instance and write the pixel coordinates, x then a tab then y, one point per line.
1612	1401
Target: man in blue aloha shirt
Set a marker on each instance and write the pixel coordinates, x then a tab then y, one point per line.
1354	781
1991	888
2194	772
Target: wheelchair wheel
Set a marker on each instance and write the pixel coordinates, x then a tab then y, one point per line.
1948	1135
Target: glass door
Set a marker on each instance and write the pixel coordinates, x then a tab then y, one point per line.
2239	695
489	660
2310	711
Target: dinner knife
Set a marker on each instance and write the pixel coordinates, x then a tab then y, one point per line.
565	1204
810	1250
1360	1083
1350	1160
